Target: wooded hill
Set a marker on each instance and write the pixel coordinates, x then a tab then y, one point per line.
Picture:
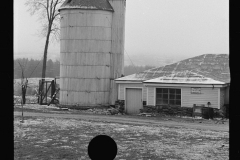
33	68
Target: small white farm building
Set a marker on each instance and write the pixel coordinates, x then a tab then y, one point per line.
196	80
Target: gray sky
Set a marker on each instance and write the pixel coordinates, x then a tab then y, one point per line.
153	29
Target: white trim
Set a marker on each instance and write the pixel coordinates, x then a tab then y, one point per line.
219	98
119	91
182	85
147	95
126	82
181	97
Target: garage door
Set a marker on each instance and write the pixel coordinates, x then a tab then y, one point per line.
133	100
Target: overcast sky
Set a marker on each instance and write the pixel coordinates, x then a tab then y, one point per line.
154	28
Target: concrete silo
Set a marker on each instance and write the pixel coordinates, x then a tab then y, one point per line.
91	51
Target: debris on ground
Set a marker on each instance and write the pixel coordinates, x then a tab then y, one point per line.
113	111
147	114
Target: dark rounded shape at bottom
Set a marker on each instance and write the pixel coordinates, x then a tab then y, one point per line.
102	147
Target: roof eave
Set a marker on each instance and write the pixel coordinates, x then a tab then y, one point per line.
84	8
183	84
128	81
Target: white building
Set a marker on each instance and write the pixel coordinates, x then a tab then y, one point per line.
196	80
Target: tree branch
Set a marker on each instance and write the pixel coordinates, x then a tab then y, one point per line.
41	4
48	11
54	7
55	15
51	14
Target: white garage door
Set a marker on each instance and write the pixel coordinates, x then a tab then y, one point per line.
133	100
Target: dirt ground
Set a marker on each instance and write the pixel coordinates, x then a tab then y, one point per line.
60	138
49	133
100	115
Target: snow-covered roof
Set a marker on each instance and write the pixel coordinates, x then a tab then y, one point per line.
213	66
87	4
186	77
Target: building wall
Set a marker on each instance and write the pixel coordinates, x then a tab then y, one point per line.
122	90
207	95
188	99
117	45
151	96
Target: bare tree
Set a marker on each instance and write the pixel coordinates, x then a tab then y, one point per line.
47	11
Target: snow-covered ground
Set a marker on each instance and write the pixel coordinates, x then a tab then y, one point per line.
57	138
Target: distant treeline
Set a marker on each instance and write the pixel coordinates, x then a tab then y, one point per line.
131	69
33	68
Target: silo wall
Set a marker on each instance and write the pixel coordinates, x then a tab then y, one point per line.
117	46
85	56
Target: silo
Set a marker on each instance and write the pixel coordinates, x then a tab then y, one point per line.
88	60
118	37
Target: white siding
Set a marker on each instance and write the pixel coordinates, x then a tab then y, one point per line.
121	95
144	90
207	95
123	86
188	99
151	96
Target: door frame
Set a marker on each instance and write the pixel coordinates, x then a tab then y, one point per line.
125	95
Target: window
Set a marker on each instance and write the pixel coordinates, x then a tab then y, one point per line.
169	96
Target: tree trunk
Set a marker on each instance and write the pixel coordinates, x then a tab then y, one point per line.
45	61
45	55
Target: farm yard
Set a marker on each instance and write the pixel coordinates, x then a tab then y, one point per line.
67	137
177	109
59	138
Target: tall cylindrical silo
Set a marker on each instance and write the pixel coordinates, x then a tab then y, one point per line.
85	52
117	54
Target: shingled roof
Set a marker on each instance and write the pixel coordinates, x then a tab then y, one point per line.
87	4
207	66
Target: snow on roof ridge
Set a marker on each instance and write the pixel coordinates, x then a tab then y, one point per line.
87	4
182	67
